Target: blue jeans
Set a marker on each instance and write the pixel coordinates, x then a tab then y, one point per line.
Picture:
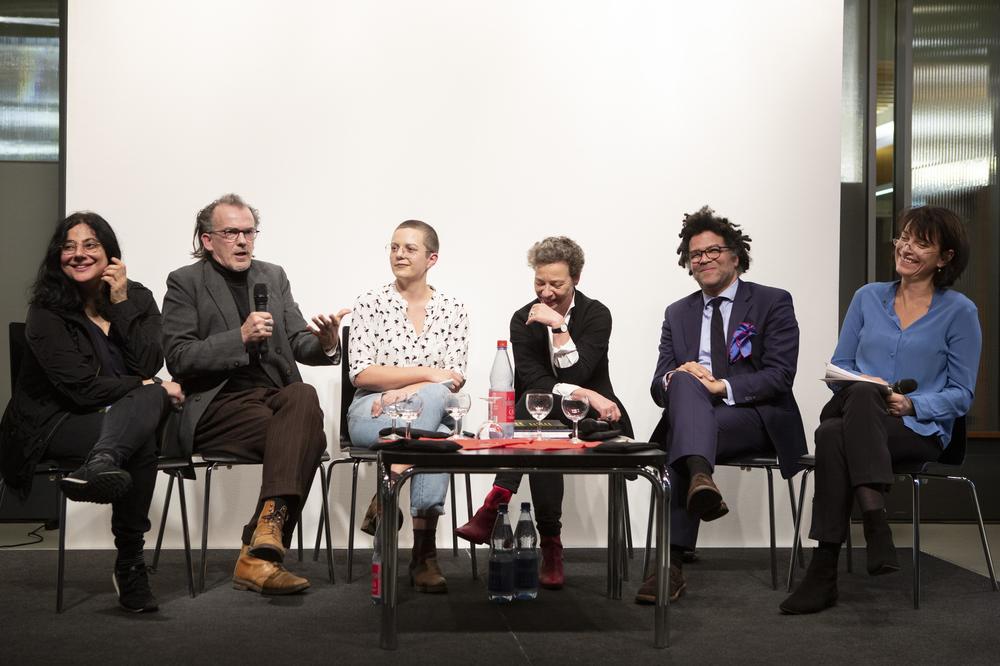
427	491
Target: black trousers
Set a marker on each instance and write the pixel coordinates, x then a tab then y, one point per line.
857	443
128	431
281	428
701	425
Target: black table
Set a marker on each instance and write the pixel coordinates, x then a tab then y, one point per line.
650	464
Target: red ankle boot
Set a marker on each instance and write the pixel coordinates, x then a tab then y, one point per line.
550	576
479	528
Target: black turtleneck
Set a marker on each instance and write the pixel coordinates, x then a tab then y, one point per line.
250	376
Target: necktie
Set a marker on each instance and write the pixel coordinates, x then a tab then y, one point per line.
720	357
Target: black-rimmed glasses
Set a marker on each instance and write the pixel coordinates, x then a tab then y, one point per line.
708	254
231	234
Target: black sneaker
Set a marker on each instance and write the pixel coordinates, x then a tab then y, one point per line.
132	586
98	480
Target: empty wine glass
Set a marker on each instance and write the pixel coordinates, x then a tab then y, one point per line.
457	405
490	428
539	405
409	410
390	407
575	409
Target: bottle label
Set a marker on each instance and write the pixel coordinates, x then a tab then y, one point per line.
376	580
502	410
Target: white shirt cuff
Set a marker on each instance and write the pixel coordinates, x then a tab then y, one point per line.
729	394
565	356
564	390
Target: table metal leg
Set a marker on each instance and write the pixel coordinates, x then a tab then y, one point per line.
389	537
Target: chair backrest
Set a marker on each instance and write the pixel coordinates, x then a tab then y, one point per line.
955	453
346	387
18	348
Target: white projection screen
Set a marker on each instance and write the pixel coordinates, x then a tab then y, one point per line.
499	123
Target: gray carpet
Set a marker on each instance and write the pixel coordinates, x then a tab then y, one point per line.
729	615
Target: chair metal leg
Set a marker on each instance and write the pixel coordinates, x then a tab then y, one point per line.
163	522
204	529
61	571
915	486
628	528
850	549
325	520
3	491
796	544
791	499
454	519
649	536
774	543
350	528
468	510
189	569
298	532
982	532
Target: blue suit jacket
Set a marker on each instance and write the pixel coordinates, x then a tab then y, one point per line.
763	381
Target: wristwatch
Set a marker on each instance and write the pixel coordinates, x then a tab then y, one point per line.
561	328
156	380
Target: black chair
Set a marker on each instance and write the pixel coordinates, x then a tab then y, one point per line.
947	468
769	464
56	470
355	457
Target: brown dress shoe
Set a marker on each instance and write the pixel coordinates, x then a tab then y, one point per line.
369	524
647	593
704	500
253	573
266	542
550	575
426	577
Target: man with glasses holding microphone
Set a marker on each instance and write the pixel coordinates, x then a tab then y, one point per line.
232	335
724	376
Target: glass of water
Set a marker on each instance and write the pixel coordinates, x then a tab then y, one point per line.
390	407
457	405
539	405
409	410
575	409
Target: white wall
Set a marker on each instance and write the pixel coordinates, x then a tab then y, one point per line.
499	124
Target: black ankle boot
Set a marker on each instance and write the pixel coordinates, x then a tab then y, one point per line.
818	590
878	543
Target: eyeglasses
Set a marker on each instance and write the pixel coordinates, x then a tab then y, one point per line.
708	254
88	246
916	245
407	250
231	234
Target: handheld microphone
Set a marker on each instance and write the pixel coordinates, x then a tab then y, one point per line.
904	386
260	305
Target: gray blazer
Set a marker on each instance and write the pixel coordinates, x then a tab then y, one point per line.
202	341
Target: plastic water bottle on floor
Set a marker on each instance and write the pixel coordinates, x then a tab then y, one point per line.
377	574
500	585
525	555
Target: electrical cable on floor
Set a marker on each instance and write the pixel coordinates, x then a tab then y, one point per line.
38	538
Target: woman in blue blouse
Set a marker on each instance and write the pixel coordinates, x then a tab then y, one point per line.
913	328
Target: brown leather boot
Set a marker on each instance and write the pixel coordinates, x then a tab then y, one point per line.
550	575
253	573
266	543
478	529
425	573
647	592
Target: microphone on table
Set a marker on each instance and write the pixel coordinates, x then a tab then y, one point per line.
903	386
260	305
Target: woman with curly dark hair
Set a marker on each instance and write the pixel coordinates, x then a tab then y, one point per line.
87	389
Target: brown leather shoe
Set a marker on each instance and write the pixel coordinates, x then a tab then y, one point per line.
369	524
266	542
704	500
647	593
253	573
550	575
426	577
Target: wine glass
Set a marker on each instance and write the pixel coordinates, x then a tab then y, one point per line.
457	405
490	428
575	409
390	407
539	405
409	410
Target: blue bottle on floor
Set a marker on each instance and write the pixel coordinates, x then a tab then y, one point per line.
500	585
525	555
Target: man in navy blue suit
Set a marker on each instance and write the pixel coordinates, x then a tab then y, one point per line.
724	379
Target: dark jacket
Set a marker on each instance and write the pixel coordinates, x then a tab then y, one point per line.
203	343
61	374
763	381
590	328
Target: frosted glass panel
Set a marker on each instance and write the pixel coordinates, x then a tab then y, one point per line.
29	87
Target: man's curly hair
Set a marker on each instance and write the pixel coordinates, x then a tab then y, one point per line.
706	220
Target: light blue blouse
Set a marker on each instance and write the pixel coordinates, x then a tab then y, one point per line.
940	351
